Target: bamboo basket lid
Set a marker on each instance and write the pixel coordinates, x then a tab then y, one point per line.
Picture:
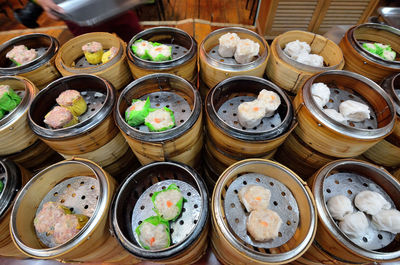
45	45
346	85
132	204
97	92
287	191
348	177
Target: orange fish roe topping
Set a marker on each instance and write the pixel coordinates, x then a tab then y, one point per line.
157	120
169	204
152	240
258	198
264	223
256	108
158	49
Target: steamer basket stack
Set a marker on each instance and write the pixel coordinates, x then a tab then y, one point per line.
214	68
290	74
95	137
18	142
227	141
332	246
42	70
318	139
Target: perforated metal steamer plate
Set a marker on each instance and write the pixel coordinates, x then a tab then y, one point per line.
80	194
213	53
339	95
40	51
184	225
228	113
349	185
282	202
174	102
397	91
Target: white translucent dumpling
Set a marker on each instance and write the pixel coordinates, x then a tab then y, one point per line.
251	113
254	197
311	59
371	202
295	48
339	206
354	111
335	115
263	224
227	44
320	93
271	101
354	224
387	220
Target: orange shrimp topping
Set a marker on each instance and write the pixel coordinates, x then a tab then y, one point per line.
264	223
158	49
157	120
133	107
169	204
152	240
258	198
256	108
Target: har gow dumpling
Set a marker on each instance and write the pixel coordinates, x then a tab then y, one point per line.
264	224
387	220
335	115
339	206
371	202
320	93
354	111
295	48
354	224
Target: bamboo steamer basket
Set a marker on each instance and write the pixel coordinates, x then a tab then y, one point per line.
396	174
41	71
348	177
184	54
233	142
17	141
387	151
13	177
290	196
71	61
214	69
132	204
63	182
182	143
367	64
290	74
298	156
332	138
95	137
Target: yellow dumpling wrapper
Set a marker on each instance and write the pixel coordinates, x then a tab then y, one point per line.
82	220
78	107
95	57
71	122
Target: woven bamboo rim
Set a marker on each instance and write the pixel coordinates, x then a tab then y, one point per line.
290	75
116	71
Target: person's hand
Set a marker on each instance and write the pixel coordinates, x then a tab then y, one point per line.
49	5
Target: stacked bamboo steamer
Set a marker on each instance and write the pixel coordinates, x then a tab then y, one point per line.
71	61
132	204
184	54
227	141
13	178
291	199
290	74
214	68
95	137
17	141
85	188
182	143
318	139
41	71
332	246
387	151
367	64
